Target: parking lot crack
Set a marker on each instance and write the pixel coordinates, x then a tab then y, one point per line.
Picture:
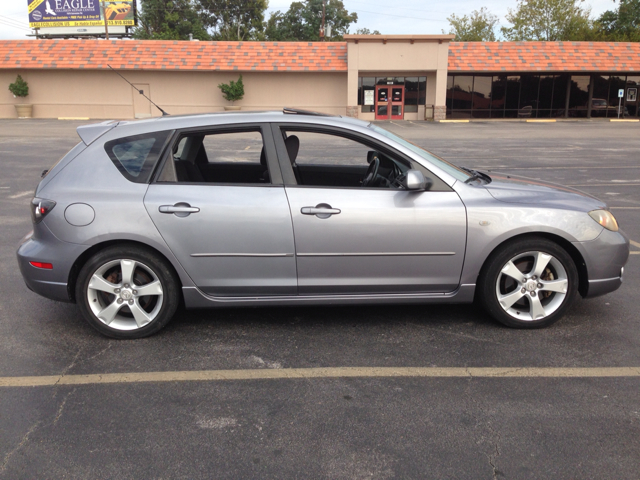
67	368
493	458
62	404
22	443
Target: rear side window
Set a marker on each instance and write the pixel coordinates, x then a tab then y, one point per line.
136	156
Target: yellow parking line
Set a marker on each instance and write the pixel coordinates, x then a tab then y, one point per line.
312	373
635	244
623	120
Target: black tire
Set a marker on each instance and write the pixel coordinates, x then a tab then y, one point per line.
495	282
131	314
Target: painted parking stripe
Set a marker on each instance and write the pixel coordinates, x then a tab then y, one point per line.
313	373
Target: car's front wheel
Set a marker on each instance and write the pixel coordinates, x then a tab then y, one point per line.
127	292
528	283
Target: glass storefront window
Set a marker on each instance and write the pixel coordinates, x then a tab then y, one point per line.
579	95
422	90
481	100
462	92
366	84
599	101
615	84
529	86
632	93
450	82
559	101
513	96
411	94
498	96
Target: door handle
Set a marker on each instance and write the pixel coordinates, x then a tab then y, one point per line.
321	210
181	209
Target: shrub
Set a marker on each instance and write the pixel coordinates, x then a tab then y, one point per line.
232	91
19	88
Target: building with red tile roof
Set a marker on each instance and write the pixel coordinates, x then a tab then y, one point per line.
605	57
369	76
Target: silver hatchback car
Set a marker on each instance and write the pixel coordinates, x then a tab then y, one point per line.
296	208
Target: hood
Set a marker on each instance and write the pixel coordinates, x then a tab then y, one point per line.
515	189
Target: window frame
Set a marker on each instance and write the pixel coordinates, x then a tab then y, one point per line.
264	129
287	171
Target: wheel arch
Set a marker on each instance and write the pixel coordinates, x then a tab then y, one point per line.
90	252
574	253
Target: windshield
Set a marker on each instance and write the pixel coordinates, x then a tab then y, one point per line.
452	170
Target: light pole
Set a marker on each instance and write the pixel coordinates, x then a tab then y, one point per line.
322	29
106	27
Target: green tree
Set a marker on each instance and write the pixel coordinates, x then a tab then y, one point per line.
549	20
169	20
303	20
477	27
234	19
366	31
622	25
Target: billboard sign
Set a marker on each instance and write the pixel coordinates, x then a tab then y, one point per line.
80	13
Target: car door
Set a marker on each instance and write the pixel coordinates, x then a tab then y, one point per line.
357	240
220	205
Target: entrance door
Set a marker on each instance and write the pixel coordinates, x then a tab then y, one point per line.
389	102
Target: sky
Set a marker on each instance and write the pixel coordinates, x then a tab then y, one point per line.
418	17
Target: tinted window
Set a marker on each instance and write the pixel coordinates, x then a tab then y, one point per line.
136	156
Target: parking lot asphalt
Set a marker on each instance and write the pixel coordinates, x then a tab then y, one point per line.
338	426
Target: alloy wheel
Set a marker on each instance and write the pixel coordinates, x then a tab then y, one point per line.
532	285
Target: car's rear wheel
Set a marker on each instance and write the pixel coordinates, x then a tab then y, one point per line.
127	292
528	283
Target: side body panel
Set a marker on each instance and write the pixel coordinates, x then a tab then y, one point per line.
382	241
239	243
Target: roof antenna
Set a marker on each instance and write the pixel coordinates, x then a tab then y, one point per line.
141	92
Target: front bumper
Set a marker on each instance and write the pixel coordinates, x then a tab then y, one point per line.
605	258
43	246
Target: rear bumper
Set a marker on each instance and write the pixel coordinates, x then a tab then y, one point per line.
45	247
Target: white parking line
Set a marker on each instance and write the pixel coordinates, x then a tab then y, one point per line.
604	185
309	373
21	194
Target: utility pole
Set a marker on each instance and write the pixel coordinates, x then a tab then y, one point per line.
322	29
106	27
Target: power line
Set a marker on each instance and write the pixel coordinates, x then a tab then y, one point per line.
396	7
400	16
10	20
14	26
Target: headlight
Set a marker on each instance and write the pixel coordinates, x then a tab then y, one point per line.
605	218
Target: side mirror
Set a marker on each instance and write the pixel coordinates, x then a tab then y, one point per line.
414	180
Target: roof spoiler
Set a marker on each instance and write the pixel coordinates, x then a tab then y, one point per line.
90	133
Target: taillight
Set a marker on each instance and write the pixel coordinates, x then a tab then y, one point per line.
46	266
40	207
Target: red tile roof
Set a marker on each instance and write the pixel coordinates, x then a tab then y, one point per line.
175	55
544	56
